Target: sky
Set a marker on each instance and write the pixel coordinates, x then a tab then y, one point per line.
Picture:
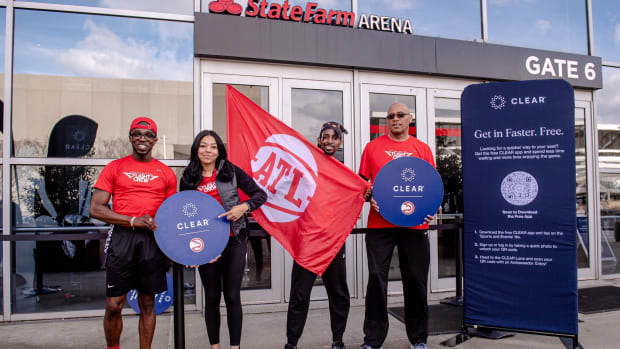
169	6
608	99
557	25
606	14
456	19
56	43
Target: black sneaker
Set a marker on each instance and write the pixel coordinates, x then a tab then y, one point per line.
338	345
289	346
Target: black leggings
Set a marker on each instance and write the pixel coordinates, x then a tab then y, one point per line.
226	273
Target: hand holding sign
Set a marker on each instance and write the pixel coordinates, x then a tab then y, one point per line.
190	229
408	191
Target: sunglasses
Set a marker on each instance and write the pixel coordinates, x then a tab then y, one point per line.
149	136
400	115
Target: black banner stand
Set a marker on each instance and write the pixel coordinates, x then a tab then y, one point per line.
469	330
569	341
179	306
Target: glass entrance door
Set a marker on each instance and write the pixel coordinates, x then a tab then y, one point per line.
444	109
262	274
375	101
307	104
586	246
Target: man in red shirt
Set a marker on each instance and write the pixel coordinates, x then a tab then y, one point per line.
413	245
138	184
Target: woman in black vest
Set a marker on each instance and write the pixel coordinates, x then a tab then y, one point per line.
210	172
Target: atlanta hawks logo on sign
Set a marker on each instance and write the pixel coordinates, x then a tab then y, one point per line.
196	244
285	168
407	208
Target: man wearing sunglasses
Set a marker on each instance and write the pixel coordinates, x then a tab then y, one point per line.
412	243
139	184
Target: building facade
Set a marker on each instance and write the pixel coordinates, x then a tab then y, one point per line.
76	72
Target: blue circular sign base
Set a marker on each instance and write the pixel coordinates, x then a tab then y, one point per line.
163	300
407	189
188	230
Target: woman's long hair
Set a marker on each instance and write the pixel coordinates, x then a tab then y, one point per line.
192	175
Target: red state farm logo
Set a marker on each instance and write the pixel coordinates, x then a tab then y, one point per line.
285	168
229	6
196	245
407	208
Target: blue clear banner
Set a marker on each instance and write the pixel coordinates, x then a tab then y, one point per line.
520	256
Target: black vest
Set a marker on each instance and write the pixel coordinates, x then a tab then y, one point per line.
230	197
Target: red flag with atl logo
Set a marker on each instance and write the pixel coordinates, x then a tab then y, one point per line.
313	200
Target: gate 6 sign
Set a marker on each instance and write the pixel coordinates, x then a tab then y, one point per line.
406	190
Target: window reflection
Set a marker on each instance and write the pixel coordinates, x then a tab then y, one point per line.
605	20
257	94
53	196
107	69
583	239
379	104
609	163
557	25
257	272
310	109
449	165
61	275
449	159
56	275
166	6
454	19
610	223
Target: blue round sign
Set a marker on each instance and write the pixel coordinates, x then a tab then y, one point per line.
407	189
163	300
188	230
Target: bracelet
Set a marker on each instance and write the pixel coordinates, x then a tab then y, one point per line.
131	221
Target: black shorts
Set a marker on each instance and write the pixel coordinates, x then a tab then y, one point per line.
134	261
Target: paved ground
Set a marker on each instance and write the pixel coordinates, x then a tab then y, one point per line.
266	331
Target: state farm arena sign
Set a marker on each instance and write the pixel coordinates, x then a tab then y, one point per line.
311	13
